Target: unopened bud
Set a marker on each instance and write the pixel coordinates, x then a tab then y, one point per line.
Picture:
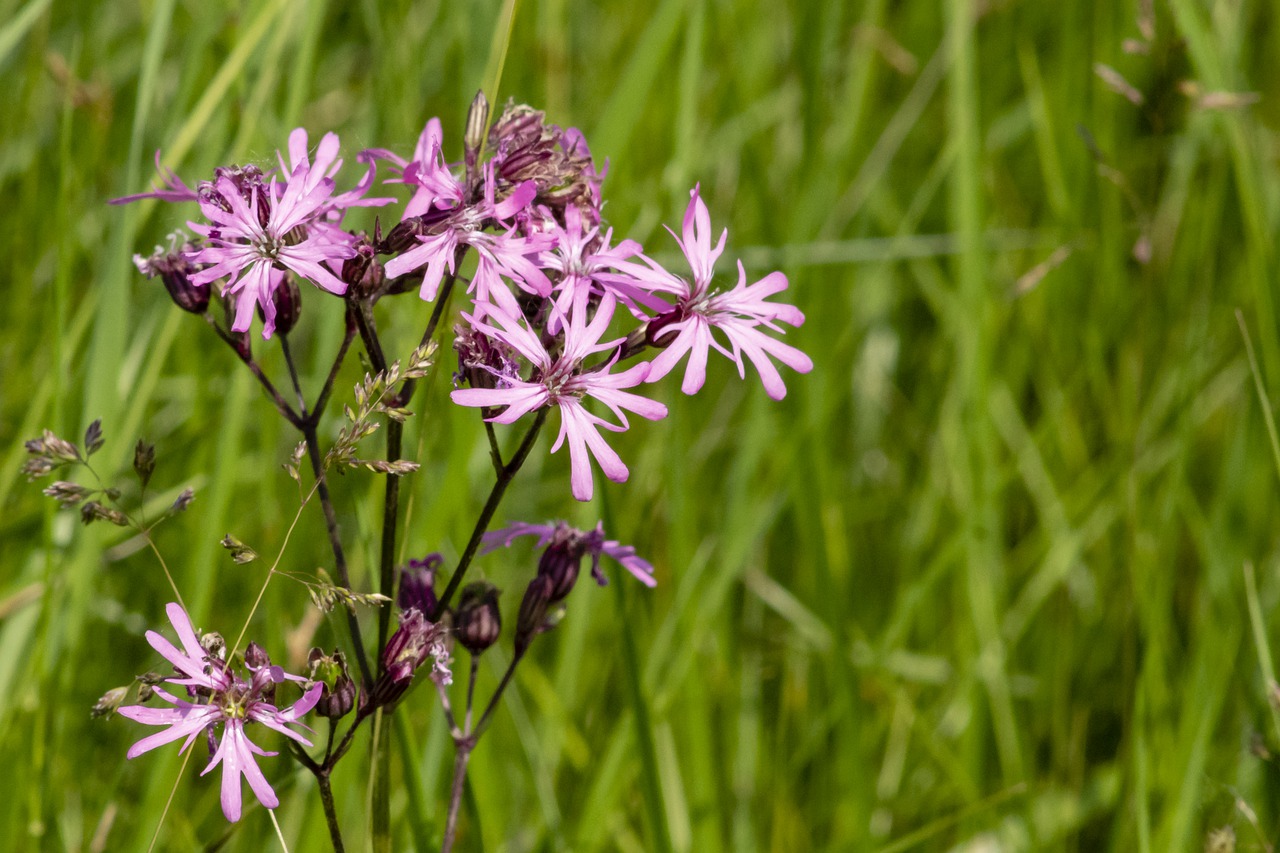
533	611
362	272
477	619
418	584
109	702
256	657
477	118
286	299
560	563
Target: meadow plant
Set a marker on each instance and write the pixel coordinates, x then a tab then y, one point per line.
557	315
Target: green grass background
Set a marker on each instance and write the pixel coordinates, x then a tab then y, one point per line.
978	583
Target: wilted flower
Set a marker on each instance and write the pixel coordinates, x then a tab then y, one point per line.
175	269
223	697
409	647
566	545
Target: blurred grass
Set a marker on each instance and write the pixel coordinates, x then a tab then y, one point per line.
978	582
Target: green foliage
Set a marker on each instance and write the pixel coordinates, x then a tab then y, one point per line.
980	580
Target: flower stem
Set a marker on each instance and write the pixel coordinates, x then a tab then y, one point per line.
497	694
504	478
335	542
391	500
246	357
347	338
455	796
330	812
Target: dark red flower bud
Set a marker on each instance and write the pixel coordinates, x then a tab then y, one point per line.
418	584
477	619
533	611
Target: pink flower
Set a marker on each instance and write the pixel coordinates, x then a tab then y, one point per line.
561	381
252	251
504	254
582	258
325	167
225	698
175	189
574	543
435	185
738	313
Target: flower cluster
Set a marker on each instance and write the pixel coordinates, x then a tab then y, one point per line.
561	321
548	284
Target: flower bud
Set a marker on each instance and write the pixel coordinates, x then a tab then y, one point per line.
560	564
477	118
258	662
110	701
418	584
256	657
478	621
533	611
286	299
362	272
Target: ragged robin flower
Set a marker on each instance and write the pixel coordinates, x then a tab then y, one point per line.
685	329
222	697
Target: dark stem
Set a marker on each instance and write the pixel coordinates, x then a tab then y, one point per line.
293	375
330	811
321	772
390	516
247	359
505	475
495	452
391	499
347	738
347	338
497	694
471	687
335	542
